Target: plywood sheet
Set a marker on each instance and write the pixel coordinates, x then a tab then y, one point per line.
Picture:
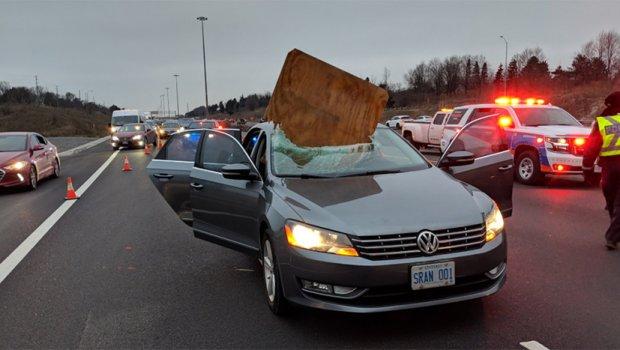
317	104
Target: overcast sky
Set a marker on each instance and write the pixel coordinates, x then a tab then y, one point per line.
126	52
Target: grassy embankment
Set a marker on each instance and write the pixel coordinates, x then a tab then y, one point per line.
53	121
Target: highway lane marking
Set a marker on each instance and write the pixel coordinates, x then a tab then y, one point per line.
533	345
83	147
9	264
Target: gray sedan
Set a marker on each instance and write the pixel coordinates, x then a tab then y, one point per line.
366	228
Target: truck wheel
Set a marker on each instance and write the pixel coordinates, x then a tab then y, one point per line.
397	126
528	168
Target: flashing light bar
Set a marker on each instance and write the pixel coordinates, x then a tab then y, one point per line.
513	101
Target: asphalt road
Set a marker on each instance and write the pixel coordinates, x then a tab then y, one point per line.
119	270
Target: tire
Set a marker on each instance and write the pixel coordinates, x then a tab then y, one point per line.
397	126
33	181
271	276
527	168
115	148
56	172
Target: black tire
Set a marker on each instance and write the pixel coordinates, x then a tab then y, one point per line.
278	305
397	126
527	168
32	178
56	172
115	148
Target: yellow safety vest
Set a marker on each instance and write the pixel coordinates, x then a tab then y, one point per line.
610	131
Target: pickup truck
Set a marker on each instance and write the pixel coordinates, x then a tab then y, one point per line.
544	139
425	133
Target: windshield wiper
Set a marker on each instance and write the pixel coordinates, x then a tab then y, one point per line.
374	172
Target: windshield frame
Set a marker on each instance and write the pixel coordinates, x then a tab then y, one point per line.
424	164
517	111
25	139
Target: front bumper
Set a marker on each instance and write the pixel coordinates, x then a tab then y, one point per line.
572	164
385	285
128	143
14	178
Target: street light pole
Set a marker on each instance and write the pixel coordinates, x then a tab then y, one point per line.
176	85
204	63
505	67
168	101
163	105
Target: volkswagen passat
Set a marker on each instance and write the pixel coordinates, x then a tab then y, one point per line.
365	228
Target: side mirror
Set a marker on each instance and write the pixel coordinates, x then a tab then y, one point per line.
38	147
457	158
238	172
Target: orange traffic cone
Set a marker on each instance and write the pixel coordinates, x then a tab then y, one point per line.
70	191
147	148
126	165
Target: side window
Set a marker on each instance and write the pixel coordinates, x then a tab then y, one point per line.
33	141
481	112
181	147
220	149
456	116
41	139
481	138
439	119
260	156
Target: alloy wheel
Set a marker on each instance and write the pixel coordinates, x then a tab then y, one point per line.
268	271
526	168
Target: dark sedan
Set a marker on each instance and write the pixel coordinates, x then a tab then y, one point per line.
133	135
168	128
362	228
26	158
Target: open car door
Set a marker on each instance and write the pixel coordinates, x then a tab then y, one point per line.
479	155
170	171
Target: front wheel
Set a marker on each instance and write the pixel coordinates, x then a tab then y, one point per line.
271	275
528	168
56	173
32	179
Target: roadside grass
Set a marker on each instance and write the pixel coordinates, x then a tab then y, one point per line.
52	121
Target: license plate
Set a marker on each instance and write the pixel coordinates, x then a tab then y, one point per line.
432	275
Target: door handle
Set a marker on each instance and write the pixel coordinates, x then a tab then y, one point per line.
505	167
163	176
196	186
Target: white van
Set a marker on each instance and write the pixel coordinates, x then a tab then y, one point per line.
125	116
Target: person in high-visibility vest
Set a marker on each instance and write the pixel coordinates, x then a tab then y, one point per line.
604	144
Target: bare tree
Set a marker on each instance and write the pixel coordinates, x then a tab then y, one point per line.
608	49
522	57
436	75
386	76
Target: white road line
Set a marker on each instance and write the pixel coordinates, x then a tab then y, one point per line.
533	345
9	264
83	147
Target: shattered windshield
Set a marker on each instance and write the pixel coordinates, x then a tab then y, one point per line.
387	153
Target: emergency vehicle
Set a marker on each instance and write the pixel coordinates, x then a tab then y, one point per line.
544	139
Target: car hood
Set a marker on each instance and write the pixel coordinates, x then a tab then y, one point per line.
129	133
383	204
5	157
558	130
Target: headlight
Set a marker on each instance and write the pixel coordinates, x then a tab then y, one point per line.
494	223
557	144
113	129
114	138
318	239
137	138
17	165
181	129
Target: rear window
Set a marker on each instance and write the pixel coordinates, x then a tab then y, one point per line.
456	116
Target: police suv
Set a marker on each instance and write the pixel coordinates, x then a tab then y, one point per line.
544	139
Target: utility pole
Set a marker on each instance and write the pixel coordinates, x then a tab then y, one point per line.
163	105
187	106
36	89
505	67
79	94
168	101
176	84
202	20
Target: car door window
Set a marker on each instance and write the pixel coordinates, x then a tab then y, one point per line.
259	157
439	119
33	141
220	149
482	138
181	147
456	116
250	140
41	139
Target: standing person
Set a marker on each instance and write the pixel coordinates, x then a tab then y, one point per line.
604	144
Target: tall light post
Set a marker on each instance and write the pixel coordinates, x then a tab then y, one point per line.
163	105
176	85
168	100
204	62
505	67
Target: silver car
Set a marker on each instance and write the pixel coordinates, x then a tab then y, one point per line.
366	228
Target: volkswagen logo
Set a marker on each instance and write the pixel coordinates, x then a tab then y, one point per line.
428	242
